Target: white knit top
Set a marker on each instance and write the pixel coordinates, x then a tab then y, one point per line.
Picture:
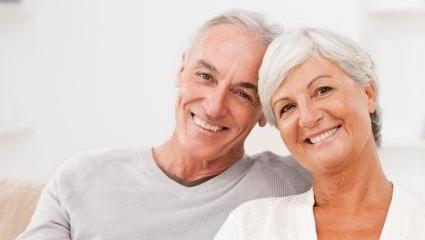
292	218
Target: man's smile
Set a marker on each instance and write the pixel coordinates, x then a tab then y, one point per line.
206	125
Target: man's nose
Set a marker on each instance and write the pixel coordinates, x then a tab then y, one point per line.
309	116
215	103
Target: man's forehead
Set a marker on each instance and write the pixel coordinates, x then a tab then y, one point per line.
222	54
224	30
228	49
225	33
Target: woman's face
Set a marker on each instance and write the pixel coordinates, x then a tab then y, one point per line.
323	116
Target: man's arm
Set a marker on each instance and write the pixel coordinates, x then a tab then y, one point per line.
50	221
229	230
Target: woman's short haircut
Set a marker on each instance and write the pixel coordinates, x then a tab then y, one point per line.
291	49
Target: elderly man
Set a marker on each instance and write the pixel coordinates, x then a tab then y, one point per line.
184	188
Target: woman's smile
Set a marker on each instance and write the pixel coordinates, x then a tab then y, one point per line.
322	135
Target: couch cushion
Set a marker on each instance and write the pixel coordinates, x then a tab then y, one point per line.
17	203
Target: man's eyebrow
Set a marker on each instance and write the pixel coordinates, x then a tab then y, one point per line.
249	85
207	65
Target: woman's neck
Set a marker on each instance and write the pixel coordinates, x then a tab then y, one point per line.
361	184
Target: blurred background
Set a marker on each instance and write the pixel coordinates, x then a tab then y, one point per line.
84	74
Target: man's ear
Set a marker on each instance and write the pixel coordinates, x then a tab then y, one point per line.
180	70
370	91
262	120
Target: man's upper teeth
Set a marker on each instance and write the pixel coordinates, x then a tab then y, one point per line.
198	121
323	136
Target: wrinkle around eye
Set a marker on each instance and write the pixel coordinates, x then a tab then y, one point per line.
322	91
285	109
204	76
247	95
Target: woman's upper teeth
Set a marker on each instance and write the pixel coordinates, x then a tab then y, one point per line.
324	135
198	121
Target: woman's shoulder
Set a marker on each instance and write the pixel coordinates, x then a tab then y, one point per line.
265	217
406	215
267	207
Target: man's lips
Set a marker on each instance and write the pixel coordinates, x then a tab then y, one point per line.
207	125
318	137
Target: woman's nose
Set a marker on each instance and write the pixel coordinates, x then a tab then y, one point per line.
309	116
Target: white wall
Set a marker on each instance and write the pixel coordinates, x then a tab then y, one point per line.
397	42
394	33
96	73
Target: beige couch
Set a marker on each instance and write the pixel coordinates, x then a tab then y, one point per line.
17	203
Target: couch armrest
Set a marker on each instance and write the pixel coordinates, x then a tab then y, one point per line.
17	202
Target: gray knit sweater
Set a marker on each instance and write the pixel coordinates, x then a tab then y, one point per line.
122	194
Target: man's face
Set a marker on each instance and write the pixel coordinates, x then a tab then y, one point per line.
217	103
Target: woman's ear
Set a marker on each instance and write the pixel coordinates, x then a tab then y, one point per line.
370	91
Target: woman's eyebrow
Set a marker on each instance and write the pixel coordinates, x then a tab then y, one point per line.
317	78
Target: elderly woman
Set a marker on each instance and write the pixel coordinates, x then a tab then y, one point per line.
319	90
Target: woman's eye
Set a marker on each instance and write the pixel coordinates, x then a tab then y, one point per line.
285	109
205	76
322	90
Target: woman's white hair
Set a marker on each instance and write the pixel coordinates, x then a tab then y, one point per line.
291	49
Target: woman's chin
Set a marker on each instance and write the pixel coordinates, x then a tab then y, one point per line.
332	160
328	166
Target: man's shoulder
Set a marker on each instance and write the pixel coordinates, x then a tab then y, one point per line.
269	156
95	158
84	167
283	171
278	162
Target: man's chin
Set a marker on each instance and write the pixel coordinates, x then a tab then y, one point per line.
205	152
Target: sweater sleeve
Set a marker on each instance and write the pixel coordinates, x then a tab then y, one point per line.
52	215
49	221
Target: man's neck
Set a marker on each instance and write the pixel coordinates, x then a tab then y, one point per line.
187	169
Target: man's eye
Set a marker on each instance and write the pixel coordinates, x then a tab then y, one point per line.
322	91
205	76
244	95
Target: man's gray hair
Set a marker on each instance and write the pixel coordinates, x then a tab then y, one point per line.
293	48
252	21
